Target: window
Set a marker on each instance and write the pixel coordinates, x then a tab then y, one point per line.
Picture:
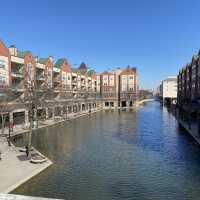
106	104
2	64
30	72
2	80
49	77
131	89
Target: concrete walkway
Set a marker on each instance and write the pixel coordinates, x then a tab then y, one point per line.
15	168
20	197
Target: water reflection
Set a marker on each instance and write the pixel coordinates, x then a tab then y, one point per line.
138	154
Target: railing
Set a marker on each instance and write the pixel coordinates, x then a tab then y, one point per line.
74	88
66	87
17	88
57	79
40	77
74	81
17	74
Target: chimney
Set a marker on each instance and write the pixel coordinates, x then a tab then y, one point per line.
36	58
13	50
51	58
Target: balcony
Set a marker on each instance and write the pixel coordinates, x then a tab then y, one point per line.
66	87
57	79
90	89
74	88
83	83
74	80
17	87
40	77
41	86
83	88
17	73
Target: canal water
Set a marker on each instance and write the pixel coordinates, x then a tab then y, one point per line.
139	154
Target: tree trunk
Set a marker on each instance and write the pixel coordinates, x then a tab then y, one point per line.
3	123
30	133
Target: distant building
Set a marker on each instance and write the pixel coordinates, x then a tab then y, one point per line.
119	88
168	88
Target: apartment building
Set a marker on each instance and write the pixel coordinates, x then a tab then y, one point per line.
108	89
168	89
58	89
119	88
128	90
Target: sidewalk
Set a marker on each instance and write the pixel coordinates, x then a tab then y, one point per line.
21	197
15	168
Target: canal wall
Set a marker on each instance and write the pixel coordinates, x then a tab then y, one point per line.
42	124
192	130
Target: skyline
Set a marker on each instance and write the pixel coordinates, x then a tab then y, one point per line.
158	38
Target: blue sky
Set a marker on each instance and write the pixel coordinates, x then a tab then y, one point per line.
156	36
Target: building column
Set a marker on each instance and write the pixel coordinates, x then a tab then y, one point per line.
35	118
53	113
11	117
61	111
47	112
26	118
80	108
66	111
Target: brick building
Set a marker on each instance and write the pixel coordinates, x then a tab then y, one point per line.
128	81
61	90
188	81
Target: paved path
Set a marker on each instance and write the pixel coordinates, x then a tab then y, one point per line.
20	197
15	168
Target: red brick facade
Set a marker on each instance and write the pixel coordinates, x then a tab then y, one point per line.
5	52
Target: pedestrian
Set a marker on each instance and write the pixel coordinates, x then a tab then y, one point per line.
26	150
12	125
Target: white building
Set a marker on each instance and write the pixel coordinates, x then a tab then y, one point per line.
169	88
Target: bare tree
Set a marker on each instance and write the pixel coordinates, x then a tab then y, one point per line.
33	98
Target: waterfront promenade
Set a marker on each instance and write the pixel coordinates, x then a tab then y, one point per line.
16	168
20	197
